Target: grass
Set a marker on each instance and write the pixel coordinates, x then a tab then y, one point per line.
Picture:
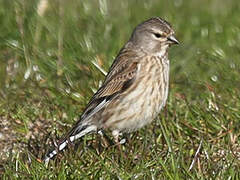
47	77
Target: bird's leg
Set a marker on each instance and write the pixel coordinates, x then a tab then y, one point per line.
99	146
106	140
116	134
103	142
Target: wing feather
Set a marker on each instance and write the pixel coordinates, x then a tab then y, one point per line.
120	77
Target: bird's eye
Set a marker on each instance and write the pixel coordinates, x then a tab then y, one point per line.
157	35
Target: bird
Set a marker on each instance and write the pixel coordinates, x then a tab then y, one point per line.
134	90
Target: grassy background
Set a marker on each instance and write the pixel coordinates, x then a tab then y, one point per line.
47	77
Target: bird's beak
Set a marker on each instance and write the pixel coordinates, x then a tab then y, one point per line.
172	40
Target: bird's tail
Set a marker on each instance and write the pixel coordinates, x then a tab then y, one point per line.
77	132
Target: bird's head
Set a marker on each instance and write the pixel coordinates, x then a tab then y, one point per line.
153	36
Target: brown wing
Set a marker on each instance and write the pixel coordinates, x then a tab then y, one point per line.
120	77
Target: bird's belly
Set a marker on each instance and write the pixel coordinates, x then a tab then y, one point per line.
137	108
